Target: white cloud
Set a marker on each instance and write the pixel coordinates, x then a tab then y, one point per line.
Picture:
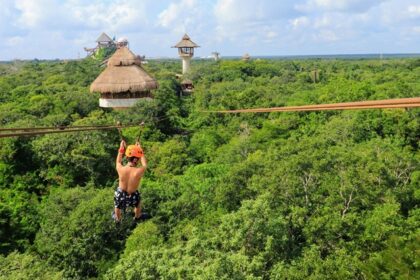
32	12
326	36
349	6
330	27
67	24
254	19
14	41
398	13
111	16
323	21
183	16
234	11
231	11
48	28
271	35
176	12
414	10
6	16
79	14
416	29
299	22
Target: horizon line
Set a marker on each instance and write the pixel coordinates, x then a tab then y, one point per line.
355	55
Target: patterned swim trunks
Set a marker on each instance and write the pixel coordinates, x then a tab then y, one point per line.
123	200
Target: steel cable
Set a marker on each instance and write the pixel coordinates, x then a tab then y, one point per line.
32	131
60	130
377	104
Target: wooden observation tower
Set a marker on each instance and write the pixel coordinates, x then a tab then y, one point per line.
186	52
103	42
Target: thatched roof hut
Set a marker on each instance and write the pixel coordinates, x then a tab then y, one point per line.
124	81
186	43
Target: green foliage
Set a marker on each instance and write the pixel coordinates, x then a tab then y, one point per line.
77	233
144	237
338	265
18	219
398	261
26	266
169	158
103	53
77	160
309	195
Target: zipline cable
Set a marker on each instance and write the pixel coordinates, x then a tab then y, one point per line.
32	131
61	127
320	108
42	132
372	104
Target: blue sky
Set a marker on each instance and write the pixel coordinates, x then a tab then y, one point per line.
49	29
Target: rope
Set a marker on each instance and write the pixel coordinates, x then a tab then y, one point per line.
140	131
120	131
42	131
32	131
61	127
377	104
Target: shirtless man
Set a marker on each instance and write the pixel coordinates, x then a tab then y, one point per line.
129	180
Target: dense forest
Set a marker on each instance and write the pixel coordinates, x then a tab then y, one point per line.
307	195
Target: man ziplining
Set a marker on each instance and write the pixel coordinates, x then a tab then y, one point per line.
129	177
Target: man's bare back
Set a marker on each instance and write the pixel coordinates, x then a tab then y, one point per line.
129	178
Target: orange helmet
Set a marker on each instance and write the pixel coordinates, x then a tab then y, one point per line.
134	151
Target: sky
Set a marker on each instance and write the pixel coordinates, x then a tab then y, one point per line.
50	29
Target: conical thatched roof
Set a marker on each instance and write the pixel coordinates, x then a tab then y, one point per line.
103	38
124	57
186	43
123	74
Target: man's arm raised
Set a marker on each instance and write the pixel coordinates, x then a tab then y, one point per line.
143	158
121	151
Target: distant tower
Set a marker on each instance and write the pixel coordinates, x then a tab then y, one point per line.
104	40
186	52
315	75
216	56
246	57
